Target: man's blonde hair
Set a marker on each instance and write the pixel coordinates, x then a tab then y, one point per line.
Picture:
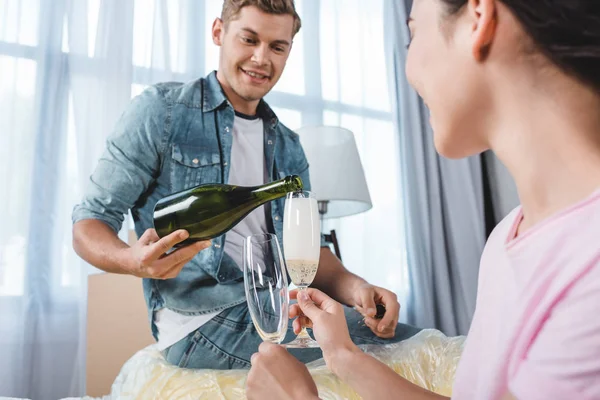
231	9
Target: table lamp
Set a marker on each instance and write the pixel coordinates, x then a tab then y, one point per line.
336	174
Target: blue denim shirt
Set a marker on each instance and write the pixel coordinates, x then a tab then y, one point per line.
171	137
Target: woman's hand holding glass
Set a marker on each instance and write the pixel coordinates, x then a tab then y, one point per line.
327	319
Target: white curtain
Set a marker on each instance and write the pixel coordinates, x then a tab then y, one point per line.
68	68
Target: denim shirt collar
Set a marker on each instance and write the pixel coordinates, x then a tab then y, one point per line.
214	97
266	113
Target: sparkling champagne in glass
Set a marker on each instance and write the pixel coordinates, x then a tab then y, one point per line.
301	248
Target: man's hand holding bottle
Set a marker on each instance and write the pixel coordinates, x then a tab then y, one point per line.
149	257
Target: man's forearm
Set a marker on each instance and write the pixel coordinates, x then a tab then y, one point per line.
374	380
99	245
334	279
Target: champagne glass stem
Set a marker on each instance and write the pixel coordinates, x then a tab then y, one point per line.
303	340
303	333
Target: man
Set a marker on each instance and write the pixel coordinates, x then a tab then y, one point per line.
217	129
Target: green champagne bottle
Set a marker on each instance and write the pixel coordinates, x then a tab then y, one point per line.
210	210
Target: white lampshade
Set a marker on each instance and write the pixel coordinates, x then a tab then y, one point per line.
336	173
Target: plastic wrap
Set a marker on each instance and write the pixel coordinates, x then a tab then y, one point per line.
428	359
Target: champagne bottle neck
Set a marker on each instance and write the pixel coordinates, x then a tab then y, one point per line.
288	184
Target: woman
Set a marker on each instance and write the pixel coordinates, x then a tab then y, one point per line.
522	78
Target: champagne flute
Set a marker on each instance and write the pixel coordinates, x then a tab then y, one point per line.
301	248
266	286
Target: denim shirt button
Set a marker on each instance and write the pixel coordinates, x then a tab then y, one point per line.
218	246
227	129
277	218
269	142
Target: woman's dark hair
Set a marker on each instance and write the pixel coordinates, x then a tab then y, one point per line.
567	32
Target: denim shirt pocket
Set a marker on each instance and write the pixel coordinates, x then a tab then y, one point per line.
192	166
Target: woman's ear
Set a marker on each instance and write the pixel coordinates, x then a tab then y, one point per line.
484	16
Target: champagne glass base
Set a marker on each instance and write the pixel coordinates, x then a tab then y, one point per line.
302	343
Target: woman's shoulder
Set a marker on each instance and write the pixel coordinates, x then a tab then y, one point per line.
505	230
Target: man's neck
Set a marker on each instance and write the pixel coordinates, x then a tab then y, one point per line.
239	104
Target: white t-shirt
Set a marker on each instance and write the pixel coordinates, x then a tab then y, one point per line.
247	168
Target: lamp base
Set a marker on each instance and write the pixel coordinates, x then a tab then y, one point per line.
332	238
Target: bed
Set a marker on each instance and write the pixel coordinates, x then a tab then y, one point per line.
429	359
123	360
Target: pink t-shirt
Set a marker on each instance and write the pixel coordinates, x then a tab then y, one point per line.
536	328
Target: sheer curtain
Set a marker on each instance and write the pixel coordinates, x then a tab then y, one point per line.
68	68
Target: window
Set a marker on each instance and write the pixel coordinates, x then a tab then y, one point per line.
335	75
17	91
